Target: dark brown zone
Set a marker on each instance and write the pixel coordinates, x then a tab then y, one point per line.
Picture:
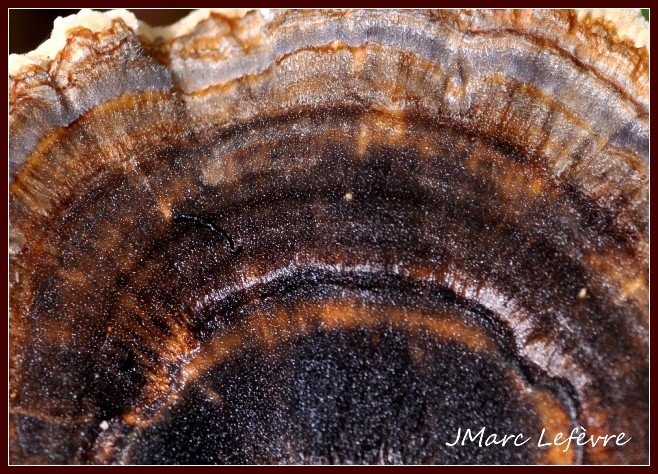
34	164
602	219
314	286
352	415
624	237
614	243
387	167
506	148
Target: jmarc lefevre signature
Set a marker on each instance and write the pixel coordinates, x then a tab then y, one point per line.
578	435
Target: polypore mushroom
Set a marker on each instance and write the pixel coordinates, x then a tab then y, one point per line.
330	236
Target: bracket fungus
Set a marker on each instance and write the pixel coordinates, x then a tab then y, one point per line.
330	236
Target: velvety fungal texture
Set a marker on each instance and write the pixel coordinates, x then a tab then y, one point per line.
329	237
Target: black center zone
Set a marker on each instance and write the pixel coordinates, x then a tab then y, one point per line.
359	396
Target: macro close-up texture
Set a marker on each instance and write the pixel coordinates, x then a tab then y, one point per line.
331	237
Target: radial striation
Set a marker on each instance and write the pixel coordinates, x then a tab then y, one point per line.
329	236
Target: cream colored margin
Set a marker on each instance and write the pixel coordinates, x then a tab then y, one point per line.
629	23
98	21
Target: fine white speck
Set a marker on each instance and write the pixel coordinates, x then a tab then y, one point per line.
349	196
104	425
582	293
